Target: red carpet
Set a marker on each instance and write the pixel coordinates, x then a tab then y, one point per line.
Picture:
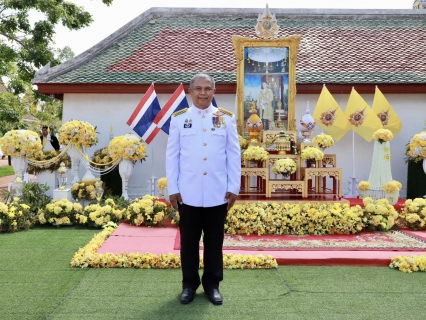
129	239
364	241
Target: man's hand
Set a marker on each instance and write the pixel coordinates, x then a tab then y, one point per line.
230	197
174	199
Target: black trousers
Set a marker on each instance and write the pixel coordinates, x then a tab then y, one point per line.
194	221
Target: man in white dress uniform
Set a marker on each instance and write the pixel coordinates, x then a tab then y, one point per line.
203	165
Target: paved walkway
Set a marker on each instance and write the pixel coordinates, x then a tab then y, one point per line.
4	181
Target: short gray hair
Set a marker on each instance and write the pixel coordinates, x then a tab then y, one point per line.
202	76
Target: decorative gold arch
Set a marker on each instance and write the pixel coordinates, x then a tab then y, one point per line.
280	69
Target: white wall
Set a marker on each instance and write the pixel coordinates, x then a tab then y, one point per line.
105	110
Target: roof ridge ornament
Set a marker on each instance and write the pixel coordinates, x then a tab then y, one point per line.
266	26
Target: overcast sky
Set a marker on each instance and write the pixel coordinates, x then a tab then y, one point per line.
108	19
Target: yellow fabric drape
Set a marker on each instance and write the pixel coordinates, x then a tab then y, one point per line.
386	114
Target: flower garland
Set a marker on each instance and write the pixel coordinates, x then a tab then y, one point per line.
379	215
414	213
47	155
98	215
147	211
409	264
255	153
127	147
15	216
101	157
392	187
83	191
59	212
284	166
18	143
79	133
263	218
324	140
312	154
383	135
416	149
88	257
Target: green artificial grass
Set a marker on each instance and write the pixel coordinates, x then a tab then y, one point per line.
6	171
37	283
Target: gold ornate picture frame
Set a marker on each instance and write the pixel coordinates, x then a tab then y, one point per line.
266	78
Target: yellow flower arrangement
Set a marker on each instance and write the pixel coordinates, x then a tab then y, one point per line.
414	213
147	211
88	257
15	216
364	185
383	135
83	191
99	215
324	140
127	147
312	154
284	166
263	218
59	212
392	187
18	143
409	264
379	215
243	142
162	183
101	157
47	155
79	133
255	153
416	149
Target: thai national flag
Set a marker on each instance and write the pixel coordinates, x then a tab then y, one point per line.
176	102
141	120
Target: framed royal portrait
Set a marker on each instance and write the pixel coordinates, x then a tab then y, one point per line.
266	80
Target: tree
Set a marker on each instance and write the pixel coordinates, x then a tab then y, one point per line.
29	46
65	54
11	113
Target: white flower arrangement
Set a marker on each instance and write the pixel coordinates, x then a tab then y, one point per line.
79	133
284	166
18	143
127	147
416	149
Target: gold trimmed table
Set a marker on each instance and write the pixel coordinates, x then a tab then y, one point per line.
336	173
299	185
259	173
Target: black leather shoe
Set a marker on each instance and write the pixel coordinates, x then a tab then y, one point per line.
187	295
214	296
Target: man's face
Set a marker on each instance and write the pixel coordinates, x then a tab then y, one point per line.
202	93
44	131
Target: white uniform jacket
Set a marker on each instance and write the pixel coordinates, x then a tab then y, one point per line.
203	158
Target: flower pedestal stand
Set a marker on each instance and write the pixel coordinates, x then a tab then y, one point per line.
75	164
125	169
59	194
19	165
49	178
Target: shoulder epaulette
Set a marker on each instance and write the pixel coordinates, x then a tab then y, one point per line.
227	112
177	113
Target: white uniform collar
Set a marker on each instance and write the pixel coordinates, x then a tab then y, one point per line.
208	110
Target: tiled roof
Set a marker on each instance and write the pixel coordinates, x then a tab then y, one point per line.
350	48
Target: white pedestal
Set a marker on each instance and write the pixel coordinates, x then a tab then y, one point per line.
49	178
62	194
